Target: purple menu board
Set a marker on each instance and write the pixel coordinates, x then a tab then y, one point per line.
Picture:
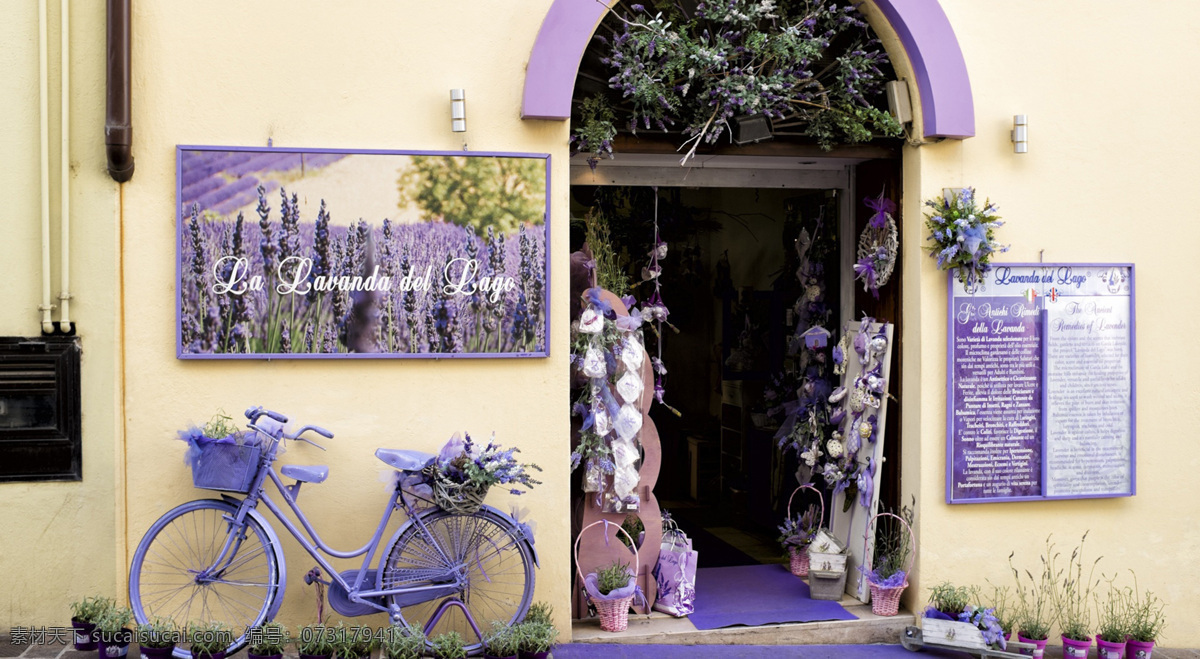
1040	397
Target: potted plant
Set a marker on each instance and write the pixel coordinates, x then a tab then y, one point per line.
1112	622
1034	616
894	545
157	638
353	642
1146	622
84	614
1005	609
501	642
267	641
209	639
315	642
406	642
114	632
539	612
611	590
1072	597
795	534
448	646
535	638
464	471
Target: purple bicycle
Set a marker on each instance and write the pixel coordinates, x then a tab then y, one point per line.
220	559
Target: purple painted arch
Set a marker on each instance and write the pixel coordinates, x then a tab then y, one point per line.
943	88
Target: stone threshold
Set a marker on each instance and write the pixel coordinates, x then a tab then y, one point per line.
662	629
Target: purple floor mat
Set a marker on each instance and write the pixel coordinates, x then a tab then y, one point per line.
757	595
624	651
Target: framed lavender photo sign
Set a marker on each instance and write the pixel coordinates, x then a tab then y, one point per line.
324	253
1041	401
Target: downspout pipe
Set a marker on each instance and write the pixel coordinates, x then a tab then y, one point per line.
118	119
64	184
44	129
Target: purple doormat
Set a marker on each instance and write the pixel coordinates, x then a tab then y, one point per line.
628	651
757	595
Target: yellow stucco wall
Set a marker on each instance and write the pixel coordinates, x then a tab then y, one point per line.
58	541
1106	178
1110	144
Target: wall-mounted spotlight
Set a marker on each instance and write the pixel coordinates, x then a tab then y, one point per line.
1020	134
458	111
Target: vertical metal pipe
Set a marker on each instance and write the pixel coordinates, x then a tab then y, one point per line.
44	126
118	122
64	183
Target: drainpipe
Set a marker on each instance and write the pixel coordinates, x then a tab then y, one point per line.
118	121
65	178
44	126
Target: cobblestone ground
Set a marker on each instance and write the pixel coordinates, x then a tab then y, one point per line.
56	650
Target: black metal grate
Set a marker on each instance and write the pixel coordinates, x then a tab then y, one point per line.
40	409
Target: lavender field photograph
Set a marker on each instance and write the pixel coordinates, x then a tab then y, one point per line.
286	253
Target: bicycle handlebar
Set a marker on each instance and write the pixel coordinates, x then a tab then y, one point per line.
254	413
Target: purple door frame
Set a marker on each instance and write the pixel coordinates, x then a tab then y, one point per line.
943	87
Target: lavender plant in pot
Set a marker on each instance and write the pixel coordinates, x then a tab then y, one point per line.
448	646
406	642
267	641
157	638
501	642
1112	622
353	642
84	614
315	642
114	632
1035	615
535	638
795	535
1072	596
1146	622
209	639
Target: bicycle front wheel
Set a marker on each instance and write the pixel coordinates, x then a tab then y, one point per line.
488	548
175	572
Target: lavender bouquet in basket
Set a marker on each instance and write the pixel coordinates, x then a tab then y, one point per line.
464	471
221	456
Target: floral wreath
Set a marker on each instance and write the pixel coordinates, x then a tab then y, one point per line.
877	246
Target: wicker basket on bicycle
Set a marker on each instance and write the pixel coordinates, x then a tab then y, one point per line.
452	496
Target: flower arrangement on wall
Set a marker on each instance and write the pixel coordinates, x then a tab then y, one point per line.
963	235
813	65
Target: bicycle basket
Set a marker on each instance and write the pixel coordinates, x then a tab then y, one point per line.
457	498
224	464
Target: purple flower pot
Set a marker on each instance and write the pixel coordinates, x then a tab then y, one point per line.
251	655
488	655
1073	649
155	653
83	635
1038	651
113	649
535	655
314	656
1135	649
1110	650
215	655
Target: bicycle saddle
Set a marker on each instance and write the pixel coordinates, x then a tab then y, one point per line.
404	459
306	473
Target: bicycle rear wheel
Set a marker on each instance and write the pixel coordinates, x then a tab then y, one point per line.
170	572
490	549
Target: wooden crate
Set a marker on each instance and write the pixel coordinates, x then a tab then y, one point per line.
952	632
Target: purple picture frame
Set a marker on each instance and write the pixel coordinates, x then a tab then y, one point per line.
457	207
1042	320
